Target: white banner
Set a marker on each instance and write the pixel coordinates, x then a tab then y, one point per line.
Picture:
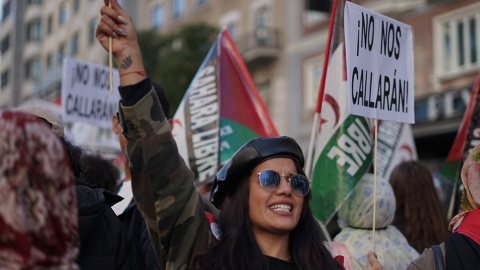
395	145
86	93
379	56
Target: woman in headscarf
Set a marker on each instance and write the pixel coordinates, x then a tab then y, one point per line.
461	249
356	221
38	213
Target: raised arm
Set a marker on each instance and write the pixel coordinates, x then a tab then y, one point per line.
116	23
162	184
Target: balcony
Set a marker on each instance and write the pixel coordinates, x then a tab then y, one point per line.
260	44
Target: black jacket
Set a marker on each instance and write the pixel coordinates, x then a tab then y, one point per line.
142	255
103	240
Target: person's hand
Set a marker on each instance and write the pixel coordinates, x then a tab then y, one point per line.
116	23
373	263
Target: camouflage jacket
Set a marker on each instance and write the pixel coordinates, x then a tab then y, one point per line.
162	184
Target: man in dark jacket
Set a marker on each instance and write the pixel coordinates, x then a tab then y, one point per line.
103	240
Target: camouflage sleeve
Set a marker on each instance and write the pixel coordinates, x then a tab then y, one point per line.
163	185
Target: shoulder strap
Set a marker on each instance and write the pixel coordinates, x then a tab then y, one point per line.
438	257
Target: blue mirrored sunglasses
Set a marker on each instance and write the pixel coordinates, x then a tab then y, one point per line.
270	181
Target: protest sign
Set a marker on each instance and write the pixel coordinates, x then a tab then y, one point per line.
85	93
343	146
379	57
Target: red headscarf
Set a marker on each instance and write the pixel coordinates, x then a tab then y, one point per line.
38	210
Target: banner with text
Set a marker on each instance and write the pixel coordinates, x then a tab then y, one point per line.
343	148
395	145
86	93
220	111
379	56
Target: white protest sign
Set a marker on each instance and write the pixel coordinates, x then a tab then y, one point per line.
86	93
379	56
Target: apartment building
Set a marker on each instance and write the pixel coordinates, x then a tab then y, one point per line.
258	27
282	42
287	72
447	49
36	35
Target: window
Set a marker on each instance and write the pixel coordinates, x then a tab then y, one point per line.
32	68
261	17
76	6
232	30
5	44
178	8
31	2
230	20
64	12
263	90
49	61
34	30
60	54
7	8
4	79
456	41
158	15
201	1
313	69
261	31
93	28
74	44
49	24
312	17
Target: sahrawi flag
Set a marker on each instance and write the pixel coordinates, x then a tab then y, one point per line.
395	144
220	111
468	136
343	149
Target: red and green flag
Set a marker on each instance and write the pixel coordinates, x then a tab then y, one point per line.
343	148
220	111
467	136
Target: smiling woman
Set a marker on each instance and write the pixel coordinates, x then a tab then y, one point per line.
276	211
265	220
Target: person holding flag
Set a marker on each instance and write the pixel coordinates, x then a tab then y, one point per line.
266	221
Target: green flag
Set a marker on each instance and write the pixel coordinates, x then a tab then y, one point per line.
343	149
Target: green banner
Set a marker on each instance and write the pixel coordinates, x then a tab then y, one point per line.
342	163
232	136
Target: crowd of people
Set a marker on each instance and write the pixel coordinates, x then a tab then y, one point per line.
65	209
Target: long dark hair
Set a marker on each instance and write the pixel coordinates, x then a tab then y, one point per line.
238	248
419	214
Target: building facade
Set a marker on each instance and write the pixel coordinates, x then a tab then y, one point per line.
35	37
282	42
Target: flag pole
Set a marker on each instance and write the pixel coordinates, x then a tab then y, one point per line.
321	90
374	185
110	64
451	205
